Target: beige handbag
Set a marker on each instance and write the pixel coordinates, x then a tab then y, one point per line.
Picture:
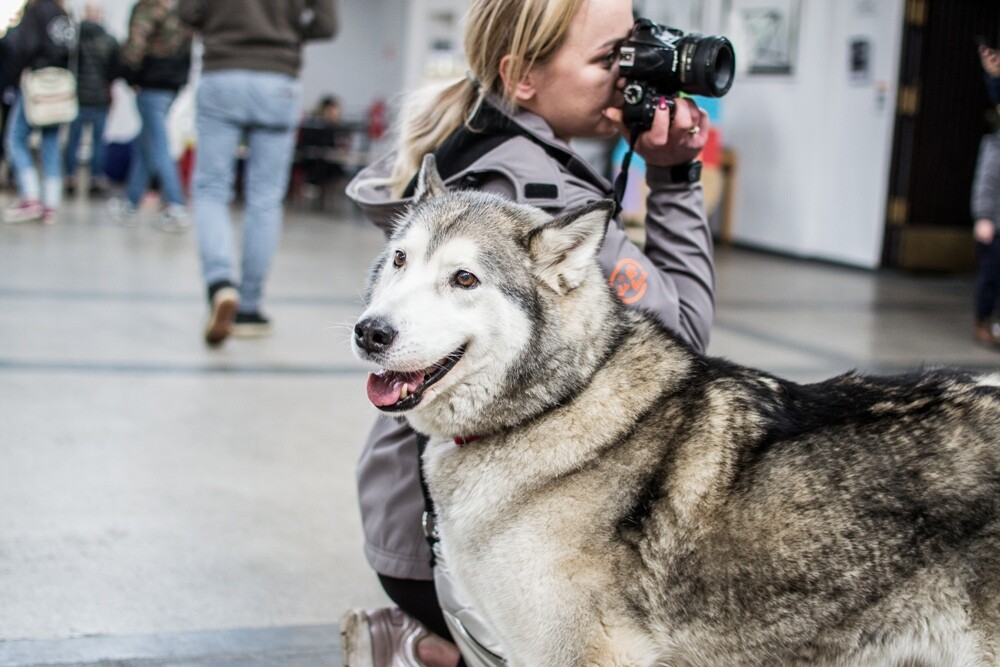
49	96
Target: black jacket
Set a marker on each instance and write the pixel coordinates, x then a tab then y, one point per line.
43	38
97	65
8	62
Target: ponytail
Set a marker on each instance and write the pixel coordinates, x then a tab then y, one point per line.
429	116
527	30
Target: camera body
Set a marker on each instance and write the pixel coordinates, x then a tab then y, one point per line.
660	62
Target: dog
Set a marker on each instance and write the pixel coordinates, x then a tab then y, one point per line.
607	496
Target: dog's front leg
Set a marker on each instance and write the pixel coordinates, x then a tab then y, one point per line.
573	643
620	645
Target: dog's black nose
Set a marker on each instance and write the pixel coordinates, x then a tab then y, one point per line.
373	335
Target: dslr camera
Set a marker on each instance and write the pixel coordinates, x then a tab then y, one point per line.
660	62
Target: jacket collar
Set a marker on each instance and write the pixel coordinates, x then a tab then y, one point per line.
370	189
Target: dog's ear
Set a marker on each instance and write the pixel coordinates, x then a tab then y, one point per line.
429	183
565	248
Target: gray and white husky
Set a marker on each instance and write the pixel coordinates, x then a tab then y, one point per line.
615	498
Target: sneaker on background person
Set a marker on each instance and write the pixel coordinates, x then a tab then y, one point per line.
26	210
223	301
99	186
987	332
174	219
123	212
251	325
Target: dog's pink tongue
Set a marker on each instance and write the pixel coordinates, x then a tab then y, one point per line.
384	386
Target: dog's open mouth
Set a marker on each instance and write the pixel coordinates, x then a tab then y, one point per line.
392	391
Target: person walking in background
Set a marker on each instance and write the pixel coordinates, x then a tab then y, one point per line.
249	91
8	89
97	58
986	213
156	60
42	39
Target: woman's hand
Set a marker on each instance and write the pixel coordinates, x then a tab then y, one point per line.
990	59
669	141
984	230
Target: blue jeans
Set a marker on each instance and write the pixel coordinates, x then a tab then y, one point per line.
16	142
151	155
261	108
95	118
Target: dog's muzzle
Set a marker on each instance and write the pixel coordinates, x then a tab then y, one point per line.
373	335
393	390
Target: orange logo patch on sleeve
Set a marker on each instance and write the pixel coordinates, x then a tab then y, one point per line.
628	280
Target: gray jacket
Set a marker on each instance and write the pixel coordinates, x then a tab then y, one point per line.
986	185
672	277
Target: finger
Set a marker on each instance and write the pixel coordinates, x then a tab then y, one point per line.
695	116
659	133
688	118
682	114
703	120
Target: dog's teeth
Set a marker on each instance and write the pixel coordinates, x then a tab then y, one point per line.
404	391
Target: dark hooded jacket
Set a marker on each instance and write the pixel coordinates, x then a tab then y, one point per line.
43	38
97	59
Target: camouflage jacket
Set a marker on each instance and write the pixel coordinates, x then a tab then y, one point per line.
157	53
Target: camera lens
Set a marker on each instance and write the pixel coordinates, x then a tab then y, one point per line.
659	61
709	66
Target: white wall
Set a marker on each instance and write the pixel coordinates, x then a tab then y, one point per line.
364	63
366	60
814	147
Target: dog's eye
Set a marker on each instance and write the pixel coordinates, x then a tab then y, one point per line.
399	260
465	279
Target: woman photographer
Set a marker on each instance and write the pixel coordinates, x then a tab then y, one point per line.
542	72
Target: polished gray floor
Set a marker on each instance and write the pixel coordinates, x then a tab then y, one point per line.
162	503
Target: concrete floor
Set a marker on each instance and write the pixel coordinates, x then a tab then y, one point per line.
162	503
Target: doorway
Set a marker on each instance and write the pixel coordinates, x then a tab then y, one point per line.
940	118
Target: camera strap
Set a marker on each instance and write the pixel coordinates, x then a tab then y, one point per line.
621	181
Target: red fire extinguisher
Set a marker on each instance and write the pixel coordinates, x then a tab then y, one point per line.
377	122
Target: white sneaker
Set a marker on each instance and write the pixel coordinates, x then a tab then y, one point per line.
123	212
385	637
174	219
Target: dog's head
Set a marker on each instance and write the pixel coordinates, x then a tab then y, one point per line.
476	303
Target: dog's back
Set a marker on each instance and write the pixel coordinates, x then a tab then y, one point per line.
741	519
858	516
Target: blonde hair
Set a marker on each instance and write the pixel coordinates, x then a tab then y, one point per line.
528	30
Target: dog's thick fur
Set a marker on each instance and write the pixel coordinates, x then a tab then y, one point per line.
630	502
